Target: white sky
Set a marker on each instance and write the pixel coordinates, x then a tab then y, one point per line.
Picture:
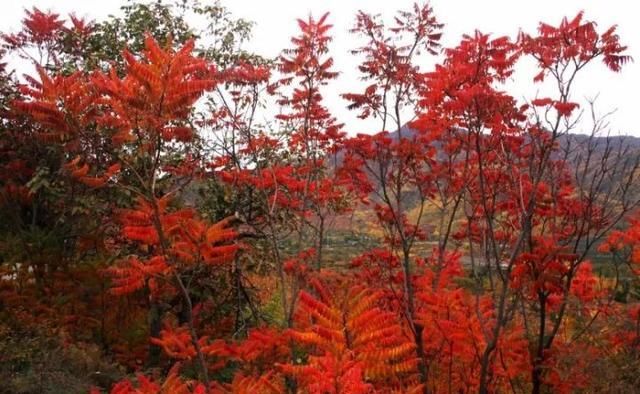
275	24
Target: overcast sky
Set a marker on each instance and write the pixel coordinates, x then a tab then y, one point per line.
275	23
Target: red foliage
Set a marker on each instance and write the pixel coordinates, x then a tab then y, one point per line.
156	95
475	173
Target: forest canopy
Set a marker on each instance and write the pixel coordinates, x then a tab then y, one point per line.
180	215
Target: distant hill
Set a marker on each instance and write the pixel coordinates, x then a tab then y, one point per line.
576	148
565	141
360	220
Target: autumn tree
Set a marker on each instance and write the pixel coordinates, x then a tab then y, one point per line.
72	160
314	133
525	215
388	165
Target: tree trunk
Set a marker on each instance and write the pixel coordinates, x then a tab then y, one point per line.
155	325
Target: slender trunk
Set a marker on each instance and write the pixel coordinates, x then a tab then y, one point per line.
320	243
422	366
415	326
188	305
484	368
536	373
237	279
155	324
